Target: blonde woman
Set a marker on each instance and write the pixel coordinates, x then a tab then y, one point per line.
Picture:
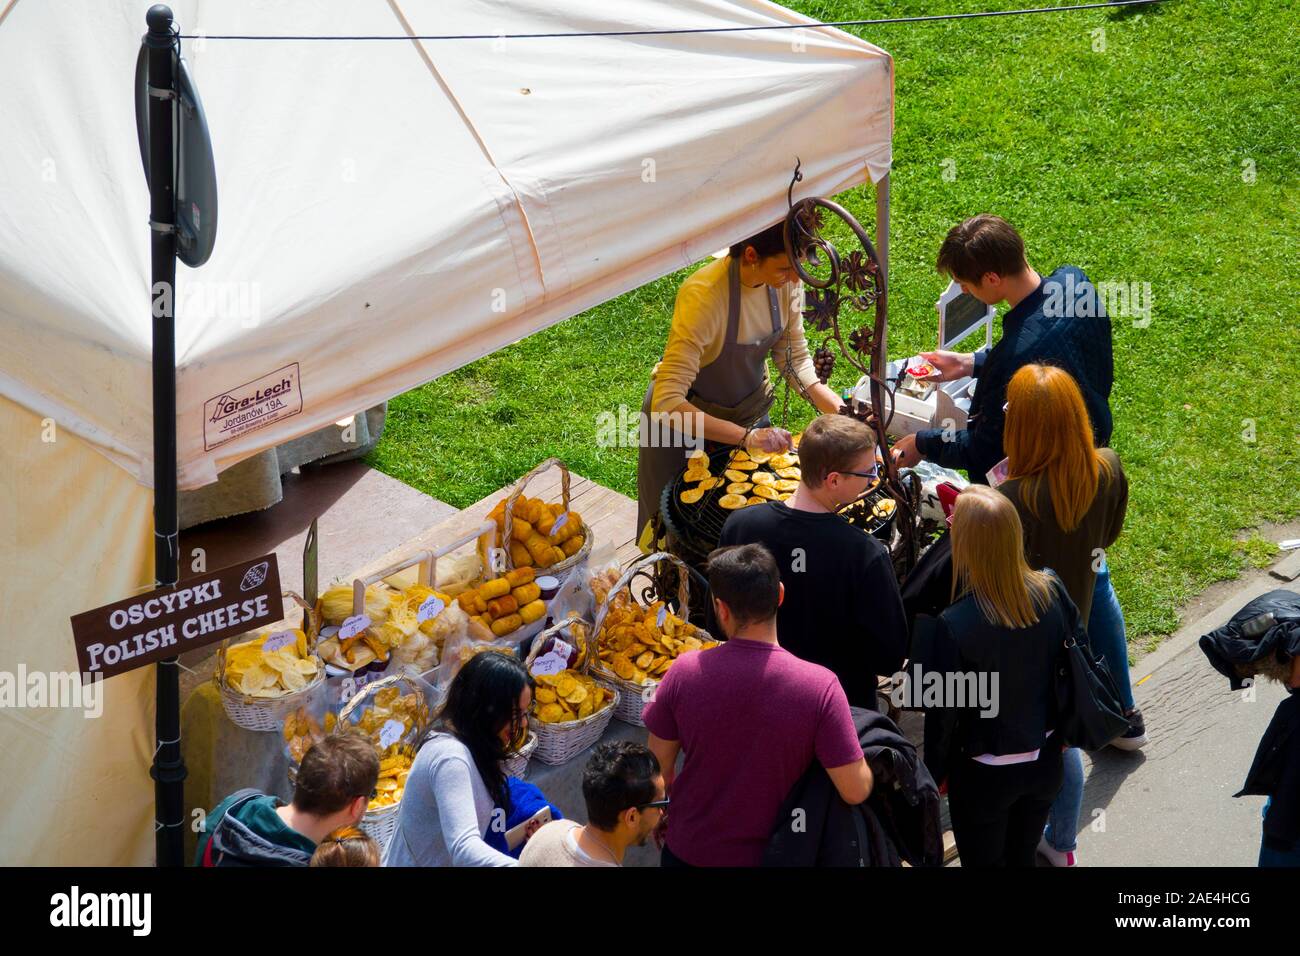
346	846
1071	497
997	648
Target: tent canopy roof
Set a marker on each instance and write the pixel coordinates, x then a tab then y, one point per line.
389	210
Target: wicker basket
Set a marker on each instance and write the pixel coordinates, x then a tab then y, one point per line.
381	824
405	684
426	563
633	697
260	713
516	764
560	568
560	743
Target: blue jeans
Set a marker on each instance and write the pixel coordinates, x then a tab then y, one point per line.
1107	636
1275	856
1063	820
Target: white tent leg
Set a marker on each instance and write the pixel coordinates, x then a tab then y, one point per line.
882	250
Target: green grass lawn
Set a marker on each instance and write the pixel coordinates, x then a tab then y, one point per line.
1129	163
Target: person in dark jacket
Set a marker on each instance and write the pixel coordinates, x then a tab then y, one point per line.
1263	640
842	608
899	821
1059	321
988	686
333	788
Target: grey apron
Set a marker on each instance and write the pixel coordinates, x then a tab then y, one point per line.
733	387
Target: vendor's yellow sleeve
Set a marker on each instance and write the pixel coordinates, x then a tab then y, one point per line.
694	340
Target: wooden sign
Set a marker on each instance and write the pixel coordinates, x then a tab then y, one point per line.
169	621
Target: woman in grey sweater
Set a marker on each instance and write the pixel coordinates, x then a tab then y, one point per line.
457	778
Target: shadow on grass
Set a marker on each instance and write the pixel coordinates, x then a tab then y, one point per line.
1128	13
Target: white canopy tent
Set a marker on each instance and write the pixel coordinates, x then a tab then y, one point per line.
389	211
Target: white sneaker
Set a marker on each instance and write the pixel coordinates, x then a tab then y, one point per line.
1054	856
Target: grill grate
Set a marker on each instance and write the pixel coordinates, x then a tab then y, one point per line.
694	530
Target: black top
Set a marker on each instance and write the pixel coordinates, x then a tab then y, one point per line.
842	608
1063	322
1024	698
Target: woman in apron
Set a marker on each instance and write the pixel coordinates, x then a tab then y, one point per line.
713	379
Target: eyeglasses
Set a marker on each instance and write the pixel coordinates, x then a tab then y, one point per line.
654	804
873	473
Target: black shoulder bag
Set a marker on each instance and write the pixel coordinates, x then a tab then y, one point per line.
1089	712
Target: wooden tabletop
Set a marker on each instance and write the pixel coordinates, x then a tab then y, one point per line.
610	515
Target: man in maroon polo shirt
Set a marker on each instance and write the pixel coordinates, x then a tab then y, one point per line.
750	718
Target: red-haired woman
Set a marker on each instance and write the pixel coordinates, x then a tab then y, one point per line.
1071	497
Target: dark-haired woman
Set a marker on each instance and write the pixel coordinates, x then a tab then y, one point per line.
712	382
457	777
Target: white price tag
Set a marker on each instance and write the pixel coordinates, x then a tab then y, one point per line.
279	641
391	732
559	523
329	630
347	689
550	663
353	626
663	616
555	660
431	608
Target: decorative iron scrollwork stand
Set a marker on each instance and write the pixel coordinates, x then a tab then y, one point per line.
859	281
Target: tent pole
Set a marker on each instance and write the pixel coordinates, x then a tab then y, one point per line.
882	238
168	769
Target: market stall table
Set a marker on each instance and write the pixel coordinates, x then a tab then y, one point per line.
223	757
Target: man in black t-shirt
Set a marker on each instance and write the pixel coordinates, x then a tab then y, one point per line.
842	607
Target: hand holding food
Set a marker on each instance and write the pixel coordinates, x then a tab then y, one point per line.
950	365
768	440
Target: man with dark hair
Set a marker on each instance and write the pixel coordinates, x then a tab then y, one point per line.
712	383
751	718
842	607
624	793
1059	320
334	785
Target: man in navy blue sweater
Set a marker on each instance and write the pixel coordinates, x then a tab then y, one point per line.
1059	320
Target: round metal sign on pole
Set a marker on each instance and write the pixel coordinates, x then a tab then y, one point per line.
196	172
